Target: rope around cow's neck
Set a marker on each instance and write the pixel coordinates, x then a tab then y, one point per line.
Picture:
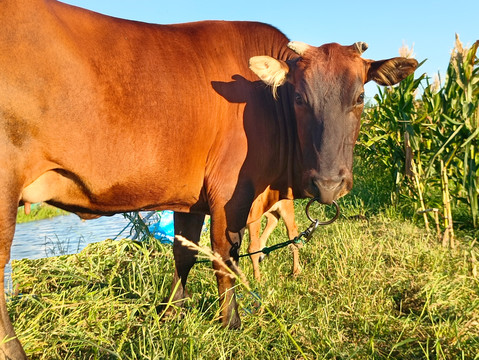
306	234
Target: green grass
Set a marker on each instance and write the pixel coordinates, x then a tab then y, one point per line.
382	289
39	212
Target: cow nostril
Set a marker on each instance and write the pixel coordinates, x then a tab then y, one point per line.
316	187
329	184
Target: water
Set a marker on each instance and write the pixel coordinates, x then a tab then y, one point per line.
62	235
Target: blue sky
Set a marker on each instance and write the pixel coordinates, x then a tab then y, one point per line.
385	25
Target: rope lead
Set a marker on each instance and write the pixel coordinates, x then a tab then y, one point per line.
306	234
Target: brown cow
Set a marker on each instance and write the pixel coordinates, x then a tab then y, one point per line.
283	209
100	115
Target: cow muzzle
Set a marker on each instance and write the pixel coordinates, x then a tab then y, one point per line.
328	189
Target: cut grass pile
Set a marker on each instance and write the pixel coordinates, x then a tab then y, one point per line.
368	290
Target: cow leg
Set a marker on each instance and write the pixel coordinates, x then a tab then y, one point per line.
254	245
10	346
227	248
286	211
187	226
258	243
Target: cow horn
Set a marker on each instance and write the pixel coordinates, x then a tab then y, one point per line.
298	47
361	47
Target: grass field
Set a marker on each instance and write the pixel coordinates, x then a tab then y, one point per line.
377	289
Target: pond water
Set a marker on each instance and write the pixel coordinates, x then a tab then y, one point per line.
63	235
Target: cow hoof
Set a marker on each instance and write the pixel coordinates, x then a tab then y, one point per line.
296	272
171	312
234	324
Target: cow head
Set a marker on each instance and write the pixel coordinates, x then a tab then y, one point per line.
328	100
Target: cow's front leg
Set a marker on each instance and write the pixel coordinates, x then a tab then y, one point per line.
187	226
10	347
226	244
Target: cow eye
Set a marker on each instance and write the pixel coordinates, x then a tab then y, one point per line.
360	99
298	99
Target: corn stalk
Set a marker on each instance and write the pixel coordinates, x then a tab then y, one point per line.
448	238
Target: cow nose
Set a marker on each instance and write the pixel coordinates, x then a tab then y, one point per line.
329	188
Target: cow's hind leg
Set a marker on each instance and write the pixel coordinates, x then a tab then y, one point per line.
258	243
286	211
10	347
187	227
254	230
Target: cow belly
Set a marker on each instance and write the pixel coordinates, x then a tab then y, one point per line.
67	191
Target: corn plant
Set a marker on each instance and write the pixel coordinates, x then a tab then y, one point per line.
454	110
414	137
387	125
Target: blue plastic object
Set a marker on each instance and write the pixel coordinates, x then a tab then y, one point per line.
163	229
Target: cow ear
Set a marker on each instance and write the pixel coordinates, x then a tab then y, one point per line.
271	71
391	71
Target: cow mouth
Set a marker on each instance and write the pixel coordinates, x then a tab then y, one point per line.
326	195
